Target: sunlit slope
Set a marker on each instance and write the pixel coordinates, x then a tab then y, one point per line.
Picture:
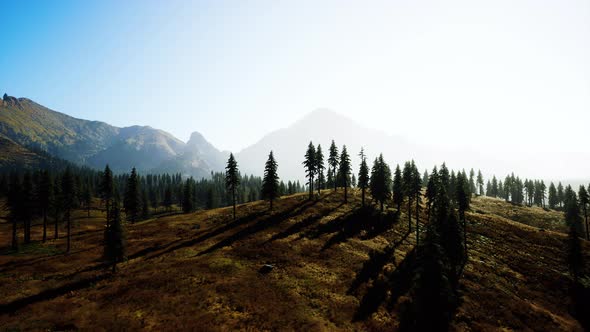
336	267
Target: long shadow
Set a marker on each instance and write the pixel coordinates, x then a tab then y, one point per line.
397	283
385	223
303	224
374	265
49	294
260	225
218	231
350	225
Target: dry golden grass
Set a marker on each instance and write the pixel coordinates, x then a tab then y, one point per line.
200	271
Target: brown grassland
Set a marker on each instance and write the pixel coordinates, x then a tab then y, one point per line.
336	268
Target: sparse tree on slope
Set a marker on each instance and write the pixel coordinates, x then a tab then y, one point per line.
106	190
132	201
187	197
68	189
480	182
45	193
115	238
380	181
27	200
552	196
363	179
408	186
463	201
345	171
319	161
232	179
584	201
398	188
270	182
333	162
310	166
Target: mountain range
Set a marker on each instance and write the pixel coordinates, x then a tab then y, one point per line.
28	128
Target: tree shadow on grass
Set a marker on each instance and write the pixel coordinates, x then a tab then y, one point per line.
396	283
49	294
260	225
303	224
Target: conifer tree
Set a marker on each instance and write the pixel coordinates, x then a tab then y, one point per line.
26	202
68	190
480	182
115	238
380	181
408	187
333	162
345	171
187	197
167	198
363	178
432	187
310	166
14	194
584	201
232	179
319	160
560	195
132	198
57	207
463	200
495	188
552	199
106	191
425	177
45	193
270	181
575	257
145	205
472	188
417	187
398	188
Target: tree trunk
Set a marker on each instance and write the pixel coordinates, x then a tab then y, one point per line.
381	206
234	201
56	232
27	231
310	187
464	233
14	235
69	231
417	220
108	207
586	217
345	194
409	215
363	198
44	225
335	179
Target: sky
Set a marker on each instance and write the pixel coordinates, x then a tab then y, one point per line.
508	77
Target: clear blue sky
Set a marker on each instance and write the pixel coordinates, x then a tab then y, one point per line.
503	72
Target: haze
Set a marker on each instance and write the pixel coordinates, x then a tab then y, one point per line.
508	81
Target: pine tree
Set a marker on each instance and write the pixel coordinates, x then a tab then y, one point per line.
560	195
232	179
495	188
132	198
68	190
380	181
575	257
398	189
480	182
270	181
425	178
408	188
14	205
319	160
26	202
472	188
187	197
145	205
417	187
115	238
584	201
333	162
463	200
45	193
310	166
57	207
345	171
552	196
168	198
363	178
106	191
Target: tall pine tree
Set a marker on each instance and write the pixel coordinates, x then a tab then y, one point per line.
333	162
345	171
232	179
270	181
363	179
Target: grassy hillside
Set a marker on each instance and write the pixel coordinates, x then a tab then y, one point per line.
333	271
